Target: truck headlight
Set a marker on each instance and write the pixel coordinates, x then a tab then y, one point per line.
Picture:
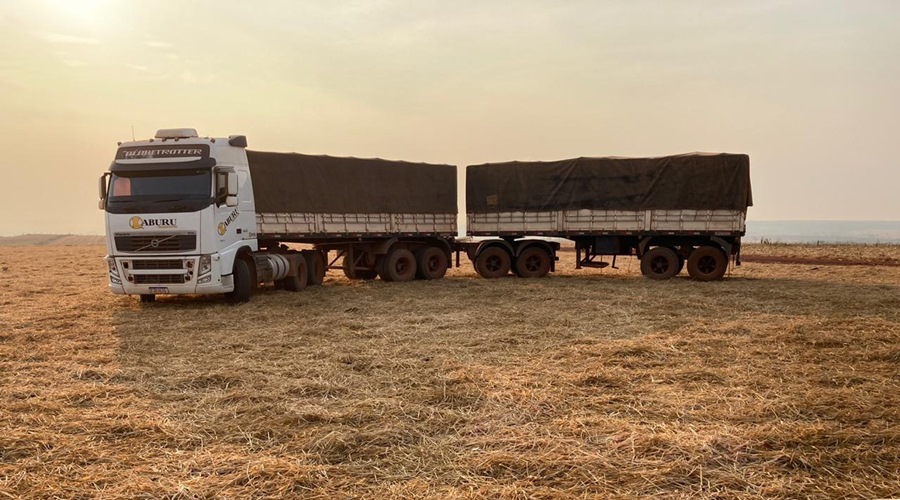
113	269
205	265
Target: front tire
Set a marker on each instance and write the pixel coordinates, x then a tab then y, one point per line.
242	283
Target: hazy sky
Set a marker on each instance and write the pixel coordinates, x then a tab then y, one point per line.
810	89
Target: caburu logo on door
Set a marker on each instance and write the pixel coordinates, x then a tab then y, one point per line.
223	226
139	223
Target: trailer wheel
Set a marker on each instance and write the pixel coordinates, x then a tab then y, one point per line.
315	266
492	262
707	263
242	284
681	260
148	297
297	279
347	267
660	263
398	265
357	274
431	263
533	262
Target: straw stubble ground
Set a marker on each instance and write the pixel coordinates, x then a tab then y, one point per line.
781	381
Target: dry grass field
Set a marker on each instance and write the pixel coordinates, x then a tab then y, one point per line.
782	381
51	240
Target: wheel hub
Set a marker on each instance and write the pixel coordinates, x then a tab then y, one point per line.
659	265
706	265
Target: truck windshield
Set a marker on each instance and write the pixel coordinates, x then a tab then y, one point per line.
160	190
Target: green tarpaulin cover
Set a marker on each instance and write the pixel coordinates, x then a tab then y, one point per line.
701	181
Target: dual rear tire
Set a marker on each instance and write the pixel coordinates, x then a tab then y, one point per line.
398	265
492	263
298	277
533	262
401	264
495	262
431	263
315	266
660	263
706	263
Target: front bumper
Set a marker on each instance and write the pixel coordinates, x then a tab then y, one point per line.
182	274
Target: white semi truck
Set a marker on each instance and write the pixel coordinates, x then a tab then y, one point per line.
197	215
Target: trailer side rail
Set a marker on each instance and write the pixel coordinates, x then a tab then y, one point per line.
589	221
311	224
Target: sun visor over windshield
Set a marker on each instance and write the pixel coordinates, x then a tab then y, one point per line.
156	167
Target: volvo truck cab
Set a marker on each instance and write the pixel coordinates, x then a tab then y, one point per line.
178	210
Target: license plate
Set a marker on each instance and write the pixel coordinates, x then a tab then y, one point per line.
159	289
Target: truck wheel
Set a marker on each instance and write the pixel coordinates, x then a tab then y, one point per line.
492	262
242	285
357	274
315	266
148	297
659	263
431	263
533	262
707	263
347	267
299	275
398	265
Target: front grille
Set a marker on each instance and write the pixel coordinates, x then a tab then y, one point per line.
158	279
156	243
145	265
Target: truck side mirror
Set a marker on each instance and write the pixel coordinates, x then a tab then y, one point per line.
232	184
102	185
231	201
